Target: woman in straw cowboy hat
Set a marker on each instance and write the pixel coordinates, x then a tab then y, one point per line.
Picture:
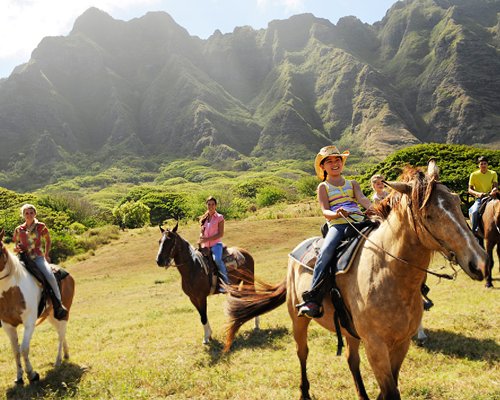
339	199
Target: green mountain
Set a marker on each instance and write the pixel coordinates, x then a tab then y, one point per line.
428	72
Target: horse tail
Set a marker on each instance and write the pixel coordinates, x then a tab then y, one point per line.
242	306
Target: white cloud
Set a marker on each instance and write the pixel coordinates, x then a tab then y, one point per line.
291	6
24	23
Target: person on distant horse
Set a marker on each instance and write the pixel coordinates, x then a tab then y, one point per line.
339	199
379	192
28	238
482	183
212	230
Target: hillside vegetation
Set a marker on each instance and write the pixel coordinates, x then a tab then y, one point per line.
86	212
114	91
133	334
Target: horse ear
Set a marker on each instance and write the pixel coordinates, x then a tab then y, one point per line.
175	227
432	170
161	229
400	187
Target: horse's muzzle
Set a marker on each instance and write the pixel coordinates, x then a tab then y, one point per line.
477	273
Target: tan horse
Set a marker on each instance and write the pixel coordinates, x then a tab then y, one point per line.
491	228
382	287
20	294
196	281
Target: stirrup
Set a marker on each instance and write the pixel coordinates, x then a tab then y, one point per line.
310	309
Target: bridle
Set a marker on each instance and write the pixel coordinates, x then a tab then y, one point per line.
170	256
451	258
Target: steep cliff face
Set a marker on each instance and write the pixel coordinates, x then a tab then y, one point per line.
427	72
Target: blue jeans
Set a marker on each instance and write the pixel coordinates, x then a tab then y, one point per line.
332	239
473	213
217	256
44	267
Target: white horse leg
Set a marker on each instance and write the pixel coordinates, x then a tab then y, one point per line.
208	333
14	342
257	323
421	336
60	327
29	329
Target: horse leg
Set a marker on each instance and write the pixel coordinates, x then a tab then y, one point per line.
14	342
60	327
398	355
300	326
353	361
421	336
489	265
201	306
29	329
257	323
379	358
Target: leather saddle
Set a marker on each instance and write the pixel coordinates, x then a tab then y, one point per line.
47	292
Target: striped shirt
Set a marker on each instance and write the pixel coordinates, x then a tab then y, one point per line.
343	196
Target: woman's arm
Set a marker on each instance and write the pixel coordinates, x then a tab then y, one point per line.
48	244
360	197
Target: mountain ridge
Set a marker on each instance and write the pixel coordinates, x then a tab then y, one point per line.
427	72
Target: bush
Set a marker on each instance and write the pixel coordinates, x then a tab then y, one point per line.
269	195
132	214
165	206
307	186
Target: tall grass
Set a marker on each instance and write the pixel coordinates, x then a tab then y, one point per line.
133	334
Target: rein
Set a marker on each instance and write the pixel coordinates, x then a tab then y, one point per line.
427	271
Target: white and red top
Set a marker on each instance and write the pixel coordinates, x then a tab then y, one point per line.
211	228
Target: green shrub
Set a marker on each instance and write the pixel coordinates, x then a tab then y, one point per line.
132	214
269	195
307	186
165	206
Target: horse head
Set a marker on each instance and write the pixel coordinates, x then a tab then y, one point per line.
436	216
167	246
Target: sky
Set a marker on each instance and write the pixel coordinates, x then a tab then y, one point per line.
24	23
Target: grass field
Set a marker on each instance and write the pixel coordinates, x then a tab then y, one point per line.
133	334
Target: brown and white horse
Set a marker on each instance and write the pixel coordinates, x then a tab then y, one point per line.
20	294
381	289
196	282
491	229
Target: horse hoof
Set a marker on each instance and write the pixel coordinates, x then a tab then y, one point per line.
35	377
19	381
488	285
421	342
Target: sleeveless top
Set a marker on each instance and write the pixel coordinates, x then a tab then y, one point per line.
343	196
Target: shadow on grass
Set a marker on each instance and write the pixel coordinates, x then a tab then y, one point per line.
60	382
260	338
457	345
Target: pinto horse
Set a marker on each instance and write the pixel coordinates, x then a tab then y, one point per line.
491	229
20	295
196	282
381	289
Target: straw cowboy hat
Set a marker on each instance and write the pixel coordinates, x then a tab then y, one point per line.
328	151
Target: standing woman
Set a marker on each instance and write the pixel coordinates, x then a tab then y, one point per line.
28	238
212	231
339	199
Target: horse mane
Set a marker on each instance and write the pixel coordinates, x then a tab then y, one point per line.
15	265
422	187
